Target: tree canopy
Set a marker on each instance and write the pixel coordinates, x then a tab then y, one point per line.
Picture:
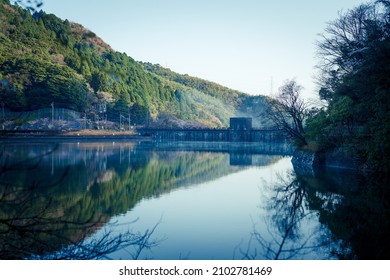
354	75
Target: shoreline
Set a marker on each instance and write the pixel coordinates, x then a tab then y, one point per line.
73	137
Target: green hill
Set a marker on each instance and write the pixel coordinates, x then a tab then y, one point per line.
46	60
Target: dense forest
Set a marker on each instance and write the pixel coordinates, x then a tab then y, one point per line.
45	60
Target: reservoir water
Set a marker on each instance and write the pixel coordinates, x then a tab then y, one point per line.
149	200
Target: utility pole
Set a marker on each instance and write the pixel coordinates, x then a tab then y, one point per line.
52	112
129	118
3	119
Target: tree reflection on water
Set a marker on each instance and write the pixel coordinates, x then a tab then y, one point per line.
288	231
62	202
35	225
330	215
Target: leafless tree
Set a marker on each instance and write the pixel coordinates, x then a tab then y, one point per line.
288	111
343	45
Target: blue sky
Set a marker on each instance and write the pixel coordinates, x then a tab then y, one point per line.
252	46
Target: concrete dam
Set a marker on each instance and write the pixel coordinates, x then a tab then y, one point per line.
240	131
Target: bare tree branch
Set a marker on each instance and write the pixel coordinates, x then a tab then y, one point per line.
288	111
345	42
32	225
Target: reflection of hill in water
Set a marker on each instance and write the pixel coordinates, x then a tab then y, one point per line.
92	182
264	148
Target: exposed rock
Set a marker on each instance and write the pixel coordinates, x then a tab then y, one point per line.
306	162
341	158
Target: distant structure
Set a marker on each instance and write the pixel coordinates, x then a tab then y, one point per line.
240	130
239	124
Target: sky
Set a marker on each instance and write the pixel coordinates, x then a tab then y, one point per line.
248	45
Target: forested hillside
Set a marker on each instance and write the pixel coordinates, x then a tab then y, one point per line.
243	104
45	60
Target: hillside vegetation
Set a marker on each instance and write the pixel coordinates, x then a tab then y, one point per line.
355	81
45	60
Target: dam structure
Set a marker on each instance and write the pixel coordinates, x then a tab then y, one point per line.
240	130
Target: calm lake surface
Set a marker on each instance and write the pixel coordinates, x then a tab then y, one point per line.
147	200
